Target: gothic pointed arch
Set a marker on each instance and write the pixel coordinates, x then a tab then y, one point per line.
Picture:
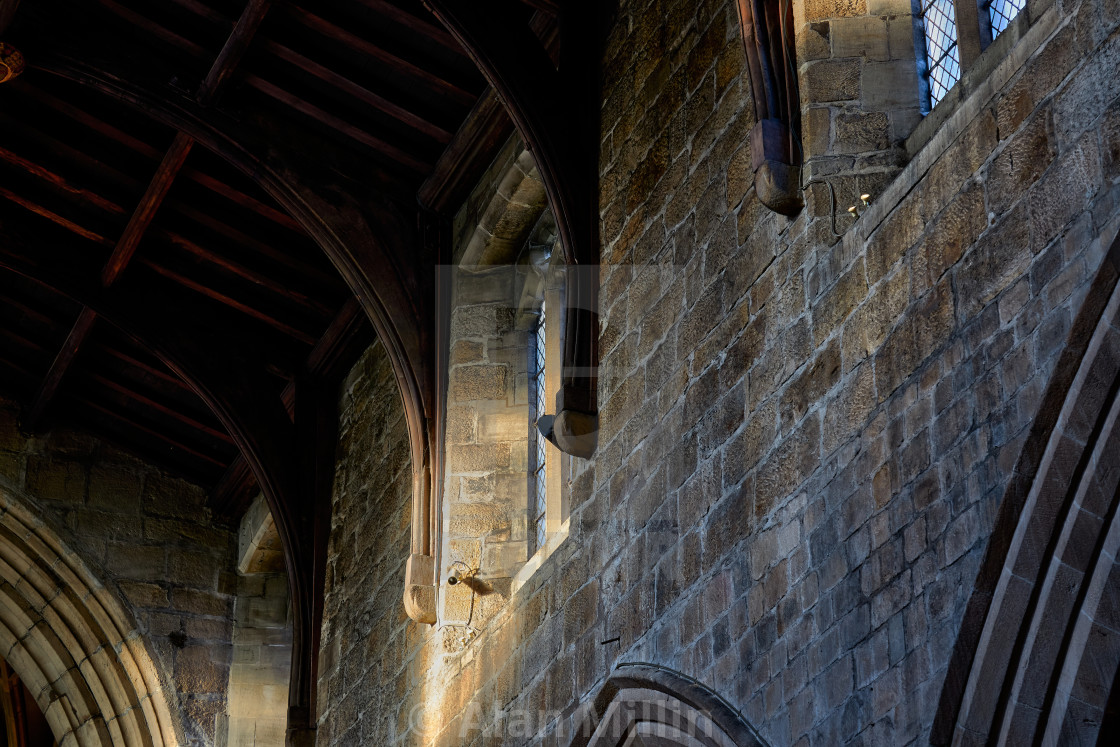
646	705
73	644
1039	648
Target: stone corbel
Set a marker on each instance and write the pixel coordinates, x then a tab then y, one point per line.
575	429
776	154
420	589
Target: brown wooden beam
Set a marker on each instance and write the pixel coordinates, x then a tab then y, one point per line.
261	248
233	50
134	362
259	279
229	301
426	78
54	217
156	30
414	23
32	420
218	187
341	125
170	412
146	211
98	125
58	182
115	415
468	155
552	7
371	99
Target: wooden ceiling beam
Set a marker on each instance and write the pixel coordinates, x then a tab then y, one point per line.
156	30
208	182
219	187
371	99
60	183
233	50
428	79
552	7
415	23
115	415
150	202
308	109
170	412
229	301
55	218
134	362
263	249
338	124
467	156
93	122
34	415
145	212
259	279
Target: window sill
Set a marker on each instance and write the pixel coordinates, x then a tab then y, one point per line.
533	564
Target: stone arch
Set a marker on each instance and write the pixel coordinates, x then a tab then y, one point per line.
1039	647
644	705
72	643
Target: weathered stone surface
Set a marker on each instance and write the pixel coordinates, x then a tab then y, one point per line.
478	382
804	437
832	80
107	506
816	10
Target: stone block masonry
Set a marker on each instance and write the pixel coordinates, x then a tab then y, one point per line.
804	437
152	539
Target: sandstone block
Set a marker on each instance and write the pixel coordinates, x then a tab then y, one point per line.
832	80
863	36
481	458
144	594
478	382
114	488
816	10
862	132
52	480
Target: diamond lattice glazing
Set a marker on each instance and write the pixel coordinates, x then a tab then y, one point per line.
1002	12
539	503
941	48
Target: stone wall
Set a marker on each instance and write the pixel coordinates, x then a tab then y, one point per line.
365	631
151	537
262	662
804	439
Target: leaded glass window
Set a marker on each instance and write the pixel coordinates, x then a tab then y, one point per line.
538	503
941	66
1002	12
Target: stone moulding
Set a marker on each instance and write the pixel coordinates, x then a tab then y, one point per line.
72	643
656	702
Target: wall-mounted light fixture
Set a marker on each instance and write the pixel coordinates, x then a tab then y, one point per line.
11	62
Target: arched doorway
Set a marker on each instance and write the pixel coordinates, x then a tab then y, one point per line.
1039	650
71	643
645	705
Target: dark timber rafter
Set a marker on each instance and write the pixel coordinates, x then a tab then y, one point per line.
145	212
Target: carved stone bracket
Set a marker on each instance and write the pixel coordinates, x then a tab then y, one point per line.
776	153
